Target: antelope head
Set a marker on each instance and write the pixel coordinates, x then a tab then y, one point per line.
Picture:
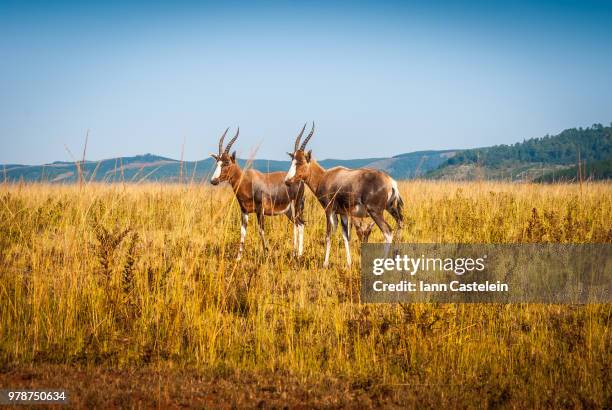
225	161
363	228
300	160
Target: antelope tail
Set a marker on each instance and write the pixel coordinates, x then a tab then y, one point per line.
395	204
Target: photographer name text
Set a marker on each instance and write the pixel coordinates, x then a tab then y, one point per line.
414	265
453	286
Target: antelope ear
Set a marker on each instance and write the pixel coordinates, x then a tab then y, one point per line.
308	155
290	154
233	157
214	156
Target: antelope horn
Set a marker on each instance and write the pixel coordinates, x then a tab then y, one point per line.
307	138
221	141
229	144
299	137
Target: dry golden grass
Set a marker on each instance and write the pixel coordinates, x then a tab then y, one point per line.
126	276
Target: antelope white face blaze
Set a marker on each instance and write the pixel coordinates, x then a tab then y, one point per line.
217	173
291	172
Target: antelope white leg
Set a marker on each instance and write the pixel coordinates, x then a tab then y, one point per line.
243	230
384	227
388	240
262	235
327	247
345	235
331	228
295	228
300	239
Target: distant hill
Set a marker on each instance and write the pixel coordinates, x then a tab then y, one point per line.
590	171
403	166
151	167
531	159
104	170
416	164
550	158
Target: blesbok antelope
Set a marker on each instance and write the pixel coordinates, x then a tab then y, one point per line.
362	227
260	193
347	193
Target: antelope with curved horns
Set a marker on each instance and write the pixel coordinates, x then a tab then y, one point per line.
261	194
346	193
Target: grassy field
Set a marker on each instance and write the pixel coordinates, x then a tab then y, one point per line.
130	295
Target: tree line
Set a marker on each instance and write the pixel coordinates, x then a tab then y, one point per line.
591	144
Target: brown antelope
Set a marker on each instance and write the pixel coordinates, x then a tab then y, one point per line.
362	227
261	194
346	192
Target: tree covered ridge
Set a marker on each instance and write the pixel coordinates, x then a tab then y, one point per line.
594	144
594	170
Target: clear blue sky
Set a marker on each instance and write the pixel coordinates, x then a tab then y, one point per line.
379	78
